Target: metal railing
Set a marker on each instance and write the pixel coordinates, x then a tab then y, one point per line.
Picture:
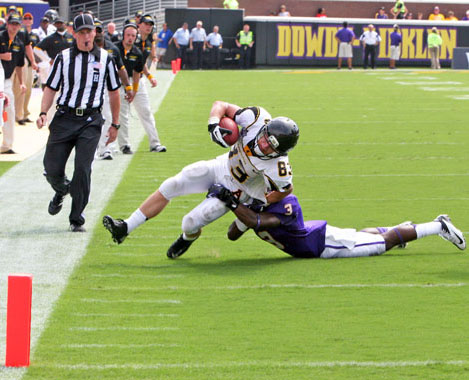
119	10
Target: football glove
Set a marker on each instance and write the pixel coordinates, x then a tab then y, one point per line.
217	133
222	193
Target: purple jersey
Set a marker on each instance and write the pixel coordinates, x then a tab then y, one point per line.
294	236
396	38
345	35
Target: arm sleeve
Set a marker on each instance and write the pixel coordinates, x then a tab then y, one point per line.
113	82
55	75
245	117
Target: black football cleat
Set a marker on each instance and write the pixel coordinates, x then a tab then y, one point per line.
55	205
77	228
179	247
117	228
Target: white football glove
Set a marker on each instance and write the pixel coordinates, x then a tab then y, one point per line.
217	133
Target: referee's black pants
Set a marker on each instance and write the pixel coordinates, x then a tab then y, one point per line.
371	52
67	132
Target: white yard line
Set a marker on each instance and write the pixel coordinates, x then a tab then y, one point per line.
260	363
426	83
99	300
32	241
123	315
121	328
285	286
112	345
137	275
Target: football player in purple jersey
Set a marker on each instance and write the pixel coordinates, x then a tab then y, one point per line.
282	225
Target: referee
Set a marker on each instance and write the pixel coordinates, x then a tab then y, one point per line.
78	120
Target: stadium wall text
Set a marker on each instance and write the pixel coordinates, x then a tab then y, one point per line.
313	43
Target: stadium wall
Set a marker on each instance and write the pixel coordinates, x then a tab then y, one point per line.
336	8
300	41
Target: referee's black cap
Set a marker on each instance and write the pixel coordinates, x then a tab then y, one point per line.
83	21
147	19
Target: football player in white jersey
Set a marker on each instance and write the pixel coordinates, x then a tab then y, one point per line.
255	169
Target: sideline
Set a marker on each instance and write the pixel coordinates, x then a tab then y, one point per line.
32	241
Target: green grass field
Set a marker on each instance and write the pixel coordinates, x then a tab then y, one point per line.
372	152
6	165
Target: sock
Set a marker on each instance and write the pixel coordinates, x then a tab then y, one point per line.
427	229
185	237
135	220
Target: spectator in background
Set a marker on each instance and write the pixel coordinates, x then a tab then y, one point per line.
181	40
230	4
29	39
2	21
197	44
112	34
321	12
409	16
214	43
466	17
43	31
419	16
70	27
451	16
381	14
138	16
245	41
283	11
396	40
345	38
164	36
434	42
436	15
370	39
399	11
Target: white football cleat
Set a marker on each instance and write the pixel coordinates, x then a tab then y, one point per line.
450	232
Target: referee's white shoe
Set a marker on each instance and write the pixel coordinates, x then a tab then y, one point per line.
450	232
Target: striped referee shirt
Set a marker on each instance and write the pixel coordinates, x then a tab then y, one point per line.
82	77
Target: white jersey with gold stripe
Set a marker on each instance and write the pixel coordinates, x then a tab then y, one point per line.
255	176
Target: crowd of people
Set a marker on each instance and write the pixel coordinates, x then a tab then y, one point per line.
370	39
401	11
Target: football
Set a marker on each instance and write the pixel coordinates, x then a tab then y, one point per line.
230	124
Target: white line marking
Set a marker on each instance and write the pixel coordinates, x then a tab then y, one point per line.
110	315
260	363
137	275
432	175
82	328
95	345
442	199
406	78
42	245
459	97
384	143
98	300
289	286
450	89
425	83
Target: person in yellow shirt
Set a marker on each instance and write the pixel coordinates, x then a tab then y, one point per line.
434	42
230	4
451	16
436	15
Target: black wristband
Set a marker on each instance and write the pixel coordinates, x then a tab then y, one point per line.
42	113
117	126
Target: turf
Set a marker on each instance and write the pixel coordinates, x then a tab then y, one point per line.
6	165
371	152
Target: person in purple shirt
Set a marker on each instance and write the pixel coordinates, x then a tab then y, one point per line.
282	225
345	38
396	40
